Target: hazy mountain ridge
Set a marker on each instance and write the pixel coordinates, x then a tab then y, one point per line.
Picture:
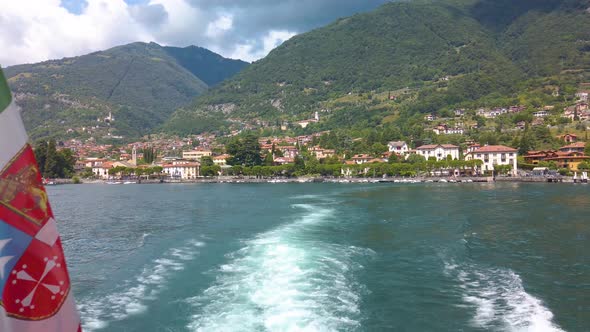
141	84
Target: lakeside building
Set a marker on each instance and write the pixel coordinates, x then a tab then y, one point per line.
574	147
196	154
439	151
569	156
400	148
221	160
473	147
182	170
492	155
102	171
569	160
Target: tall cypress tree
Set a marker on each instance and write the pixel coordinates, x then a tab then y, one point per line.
51	161
41	155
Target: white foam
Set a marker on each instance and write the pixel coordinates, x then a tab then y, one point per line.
131	299
500	300
284	281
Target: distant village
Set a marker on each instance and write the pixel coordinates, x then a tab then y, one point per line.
187	158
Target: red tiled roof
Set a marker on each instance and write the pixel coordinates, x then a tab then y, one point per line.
577	145
494	148
434	146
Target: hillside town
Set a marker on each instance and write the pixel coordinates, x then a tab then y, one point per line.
459	144
202	156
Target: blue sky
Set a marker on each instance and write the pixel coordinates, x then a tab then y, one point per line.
37	30
76	6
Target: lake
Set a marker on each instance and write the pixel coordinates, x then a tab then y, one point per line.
328	257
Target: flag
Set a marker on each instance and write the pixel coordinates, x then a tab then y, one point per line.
35	291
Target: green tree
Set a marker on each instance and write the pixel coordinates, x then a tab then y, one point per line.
65	163
299	163
415	158
268	159
587	149
41	155
51	161
149	155
207	161
244	151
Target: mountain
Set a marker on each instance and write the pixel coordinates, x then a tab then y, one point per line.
139	83
434	53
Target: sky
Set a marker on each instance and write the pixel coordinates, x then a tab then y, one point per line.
38	30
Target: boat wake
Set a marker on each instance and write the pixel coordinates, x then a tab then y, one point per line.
132	297
285	280
500	300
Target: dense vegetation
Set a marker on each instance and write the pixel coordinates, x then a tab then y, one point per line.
53	163
141	84
430	55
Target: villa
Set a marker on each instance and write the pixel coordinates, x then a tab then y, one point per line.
439	151
492	155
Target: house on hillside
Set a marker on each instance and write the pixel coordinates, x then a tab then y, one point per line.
569	138
582	95
429	117
492	155
361	159
288	151
540	114
574	147
516	109
321	153
443	129
398	147
196	154
438	151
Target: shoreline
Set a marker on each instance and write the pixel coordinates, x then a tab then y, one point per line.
330	180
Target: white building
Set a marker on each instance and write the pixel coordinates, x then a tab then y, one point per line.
398	147
540	114
221	160
439	151
182	170
583	95
492	155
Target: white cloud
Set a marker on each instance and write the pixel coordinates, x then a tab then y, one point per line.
249	52
220	26
37	30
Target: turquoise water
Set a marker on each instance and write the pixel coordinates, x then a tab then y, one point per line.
328	257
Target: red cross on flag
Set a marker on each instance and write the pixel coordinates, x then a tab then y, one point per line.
34	283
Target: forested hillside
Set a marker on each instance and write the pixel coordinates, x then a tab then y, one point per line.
139	83
428	56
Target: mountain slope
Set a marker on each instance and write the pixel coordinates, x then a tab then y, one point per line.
479	48
139	83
